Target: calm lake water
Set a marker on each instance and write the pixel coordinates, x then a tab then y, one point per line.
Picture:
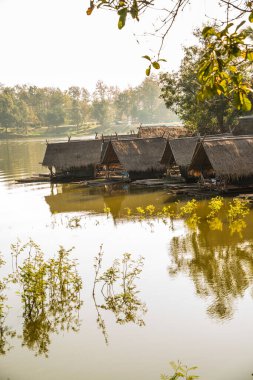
188	292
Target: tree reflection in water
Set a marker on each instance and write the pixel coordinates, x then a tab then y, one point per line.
119	291
6	332
50	294
220	271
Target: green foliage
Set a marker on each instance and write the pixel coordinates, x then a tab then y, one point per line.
179	91
50	294
222	68
24	108
238	209
215	205
155	64
235	212
180	372
119	291
122	7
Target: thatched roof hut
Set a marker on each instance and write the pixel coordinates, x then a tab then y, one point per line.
245	126
179	151
147	131
139	157
230	157
117	136
75	158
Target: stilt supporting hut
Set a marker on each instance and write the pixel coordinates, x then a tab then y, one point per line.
73	159
229	159
139	158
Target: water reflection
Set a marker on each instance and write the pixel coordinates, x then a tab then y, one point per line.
18	158
220	271
118	291
50	294
78	198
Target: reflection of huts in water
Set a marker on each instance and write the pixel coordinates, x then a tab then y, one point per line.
178	153
149	130
66	198
229	158
140	158
70	198
75	159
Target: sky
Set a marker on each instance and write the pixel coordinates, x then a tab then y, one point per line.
54	43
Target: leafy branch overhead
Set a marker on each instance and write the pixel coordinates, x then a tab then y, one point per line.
155	64
225	63
228	51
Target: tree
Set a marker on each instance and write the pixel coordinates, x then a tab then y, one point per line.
102	106
56	113
151	108
227	43
179	91
7	108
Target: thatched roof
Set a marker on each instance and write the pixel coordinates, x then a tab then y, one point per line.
136	154
179	151
161	131
119	136
73	154
245	125
227	157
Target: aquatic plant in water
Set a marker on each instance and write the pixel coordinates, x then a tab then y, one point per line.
181	371
119	290
189	210
50	294
237	211
74	222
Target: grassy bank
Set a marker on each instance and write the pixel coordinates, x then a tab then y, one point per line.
87	129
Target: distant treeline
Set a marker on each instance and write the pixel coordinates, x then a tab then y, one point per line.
30	106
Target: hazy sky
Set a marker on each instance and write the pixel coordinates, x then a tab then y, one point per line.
54	43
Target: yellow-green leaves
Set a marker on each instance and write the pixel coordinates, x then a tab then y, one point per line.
221	70
122	17
148	69
153	63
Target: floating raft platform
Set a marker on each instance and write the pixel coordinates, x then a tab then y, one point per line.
248	197
35	178
106	182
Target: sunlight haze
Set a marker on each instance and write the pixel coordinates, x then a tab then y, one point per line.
54	43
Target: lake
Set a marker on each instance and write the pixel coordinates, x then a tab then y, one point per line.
88	291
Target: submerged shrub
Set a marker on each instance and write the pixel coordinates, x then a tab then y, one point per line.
215	205
181	371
